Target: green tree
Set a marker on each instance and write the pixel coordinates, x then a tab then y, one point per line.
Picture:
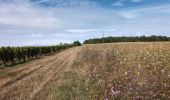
76	43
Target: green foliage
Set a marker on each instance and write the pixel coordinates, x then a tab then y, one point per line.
127	39
76	43
18	54
7	54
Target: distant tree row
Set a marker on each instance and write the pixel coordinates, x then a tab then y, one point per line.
152	38
13	55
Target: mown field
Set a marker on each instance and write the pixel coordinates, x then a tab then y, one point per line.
115	71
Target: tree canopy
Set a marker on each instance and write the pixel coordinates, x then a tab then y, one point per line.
76	43
143	38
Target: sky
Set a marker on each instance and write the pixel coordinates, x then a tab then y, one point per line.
50	22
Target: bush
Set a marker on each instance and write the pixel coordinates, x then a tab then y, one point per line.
76	43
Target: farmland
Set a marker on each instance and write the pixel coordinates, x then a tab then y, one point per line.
27	80
13	55
113	71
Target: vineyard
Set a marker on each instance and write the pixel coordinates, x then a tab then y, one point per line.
13	55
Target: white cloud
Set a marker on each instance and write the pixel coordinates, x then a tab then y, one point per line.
147	21
37	19
24	23
90	30
136	1
26	15
121	3
151	12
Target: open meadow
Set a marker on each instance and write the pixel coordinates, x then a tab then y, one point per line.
113	71
120	71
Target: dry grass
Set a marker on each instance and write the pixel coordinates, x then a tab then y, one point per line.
27	81
122	71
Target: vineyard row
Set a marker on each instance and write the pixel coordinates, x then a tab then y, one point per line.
12	55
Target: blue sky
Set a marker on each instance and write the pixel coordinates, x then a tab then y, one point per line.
48	22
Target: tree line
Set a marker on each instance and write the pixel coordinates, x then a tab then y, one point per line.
143	38
13	55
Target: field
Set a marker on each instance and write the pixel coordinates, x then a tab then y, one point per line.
115	71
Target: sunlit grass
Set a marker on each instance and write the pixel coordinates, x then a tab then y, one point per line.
123	71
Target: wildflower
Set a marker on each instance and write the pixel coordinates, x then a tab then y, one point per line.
140	83
162	71
126	72
115	92
163	95
100	82
168	75
165	84
138	73
147	52
139	65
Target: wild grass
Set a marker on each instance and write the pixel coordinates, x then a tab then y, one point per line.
122	71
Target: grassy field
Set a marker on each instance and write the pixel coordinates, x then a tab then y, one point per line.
120	71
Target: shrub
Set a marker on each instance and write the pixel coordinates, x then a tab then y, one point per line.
76	43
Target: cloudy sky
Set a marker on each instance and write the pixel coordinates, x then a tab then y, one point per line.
48	22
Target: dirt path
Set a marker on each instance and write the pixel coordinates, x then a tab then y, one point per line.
24	82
